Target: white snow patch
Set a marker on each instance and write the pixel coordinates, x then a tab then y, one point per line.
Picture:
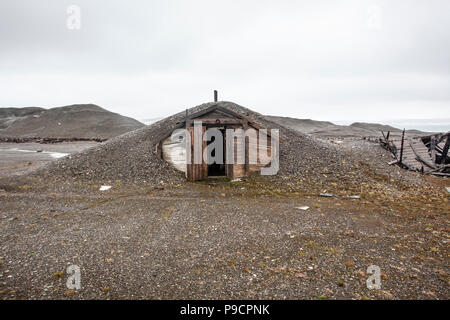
57	155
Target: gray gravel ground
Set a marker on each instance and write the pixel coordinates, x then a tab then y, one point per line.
218	241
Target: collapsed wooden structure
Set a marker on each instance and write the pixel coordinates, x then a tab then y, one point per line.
426	154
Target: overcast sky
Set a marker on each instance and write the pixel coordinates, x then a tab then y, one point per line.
328	60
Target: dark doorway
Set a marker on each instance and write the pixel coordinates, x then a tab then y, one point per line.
217	169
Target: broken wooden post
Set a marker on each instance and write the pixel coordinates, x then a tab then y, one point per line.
401	148
445	149
215	95
433	148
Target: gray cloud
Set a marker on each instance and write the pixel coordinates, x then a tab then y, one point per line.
328	60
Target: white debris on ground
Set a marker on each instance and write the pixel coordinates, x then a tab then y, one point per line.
448	189
57	155
302	208
104	188
325	194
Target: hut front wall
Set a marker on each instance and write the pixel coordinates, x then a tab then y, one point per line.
175	154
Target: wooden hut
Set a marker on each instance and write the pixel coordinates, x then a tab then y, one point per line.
180	152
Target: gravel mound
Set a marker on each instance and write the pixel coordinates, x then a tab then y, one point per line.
132	156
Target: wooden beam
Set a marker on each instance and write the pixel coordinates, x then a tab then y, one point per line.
401	148
443	174
433	149
189	166
159	149
247	150
440	168
204	167
445	149
199	113
221	121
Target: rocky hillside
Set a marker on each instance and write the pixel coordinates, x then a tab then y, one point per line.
9	115
328	129
74	121
301	125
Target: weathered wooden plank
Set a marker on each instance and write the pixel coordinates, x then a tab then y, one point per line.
204	166
433	149
410	156
421	152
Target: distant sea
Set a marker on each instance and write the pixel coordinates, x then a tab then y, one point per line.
150	121
428	125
